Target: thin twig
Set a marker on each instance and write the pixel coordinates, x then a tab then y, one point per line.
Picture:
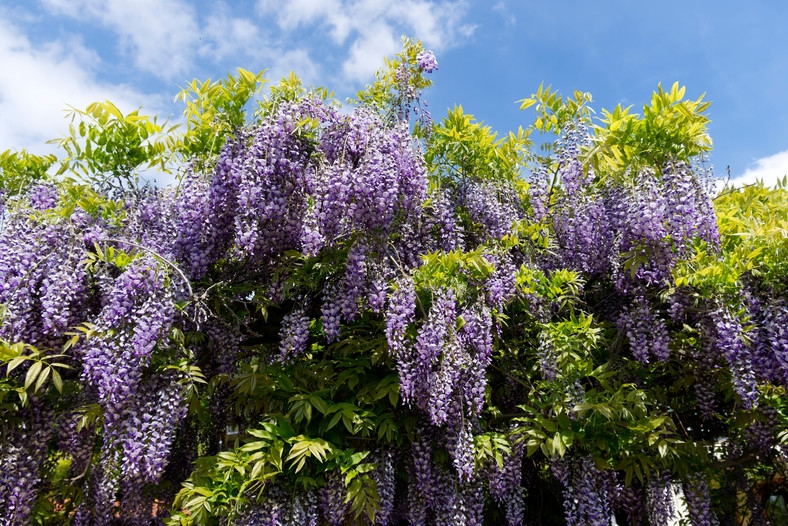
506	373
157	256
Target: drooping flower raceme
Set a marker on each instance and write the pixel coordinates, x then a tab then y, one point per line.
427	61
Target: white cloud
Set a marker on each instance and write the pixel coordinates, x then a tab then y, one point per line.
171	38
374	26
165	37
160	35
506	13
240	40
226	37
295	13
367	52
297	61
767	169
41	81
438	25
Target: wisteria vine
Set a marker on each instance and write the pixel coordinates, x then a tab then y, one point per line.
318	326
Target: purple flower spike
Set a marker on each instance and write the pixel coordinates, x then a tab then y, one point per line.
427	61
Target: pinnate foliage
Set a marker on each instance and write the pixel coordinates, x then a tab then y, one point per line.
363	316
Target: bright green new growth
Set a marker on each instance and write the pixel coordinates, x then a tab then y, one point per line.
562	382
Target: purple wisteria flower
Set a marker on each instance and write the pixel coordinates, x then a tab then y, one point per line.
427	61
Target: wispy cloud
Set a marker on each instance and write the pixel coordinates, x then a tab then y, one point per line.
160	36
506	13
373	26
224	36
298	61
767	169
167	37
364	57
323	41
43	80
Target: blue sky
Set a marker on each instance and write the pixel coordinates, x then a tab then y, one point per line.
55	53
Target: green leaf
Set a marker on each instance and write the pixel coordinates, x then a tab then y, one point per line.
319	404
548	425
32	374
42	378
334	420
526	103
13	364
57	381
